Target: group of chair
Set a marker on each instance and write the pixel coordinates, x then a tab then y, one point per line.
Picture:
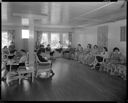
30	71
101	65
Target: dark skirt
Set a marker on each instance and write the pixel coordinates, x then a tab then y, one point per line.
51	53
99	58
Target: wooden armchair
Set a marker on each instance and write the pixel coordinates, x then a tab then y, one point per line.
43	67
26	73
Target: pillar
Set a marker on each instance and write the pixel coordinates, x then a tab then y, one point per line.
49	37
31	42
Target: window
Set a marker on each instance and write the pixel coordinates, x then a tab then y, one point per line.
55	38
44	39
123	33
25	34
5	41
25	21
65	40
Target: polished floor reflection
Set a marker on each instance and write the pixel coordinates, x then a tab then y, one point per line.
72	82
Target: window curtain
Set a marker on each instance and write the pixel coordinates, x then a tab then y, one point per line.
11	36
70	38
39	37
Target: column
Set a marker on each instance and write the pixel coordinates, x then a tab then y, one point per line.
31	42
55	13
49	37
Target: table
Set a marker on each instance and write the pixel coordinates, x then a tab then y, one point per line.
11	63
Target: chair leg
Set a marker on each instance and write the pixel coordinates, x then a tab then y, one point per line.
7	81
36	74
32	76
19	80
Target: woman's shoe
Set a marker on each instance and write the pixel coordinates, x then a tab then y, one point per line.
52	75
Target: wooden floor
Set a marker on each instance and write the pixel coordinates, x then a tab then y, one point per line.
72	82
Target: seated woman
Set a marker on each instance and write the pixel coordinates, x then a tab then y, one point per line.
12	53
80	55
5	50
102	57
104	53
12	48
115	58
42	57
91	56
5	53
59	48
86	51
49	50
22	62
77	52
67	50
72	53
41	47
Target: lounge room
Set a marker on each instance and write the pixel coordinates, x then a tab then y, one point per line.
63	51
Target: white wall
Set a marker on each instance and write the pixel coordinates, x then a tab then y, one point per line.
114	36
84	37
89	35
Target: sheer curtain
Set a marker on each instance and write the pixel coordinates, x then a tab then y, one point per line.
11	36
70	38
65	40
39	37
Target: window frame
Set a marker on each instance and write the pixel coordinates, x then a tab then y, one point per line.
123	34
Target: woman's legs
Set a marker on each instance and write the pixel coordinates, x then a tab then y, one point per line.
4	73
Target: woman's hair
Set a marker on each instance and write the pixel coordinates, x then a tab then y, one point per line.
89	45
116	48
41	46
105	49
23	50
5	47
95	46
79	44
12	42
48	45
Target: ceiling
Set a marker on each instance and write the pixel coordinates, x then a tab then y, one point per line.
78	14
97	13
